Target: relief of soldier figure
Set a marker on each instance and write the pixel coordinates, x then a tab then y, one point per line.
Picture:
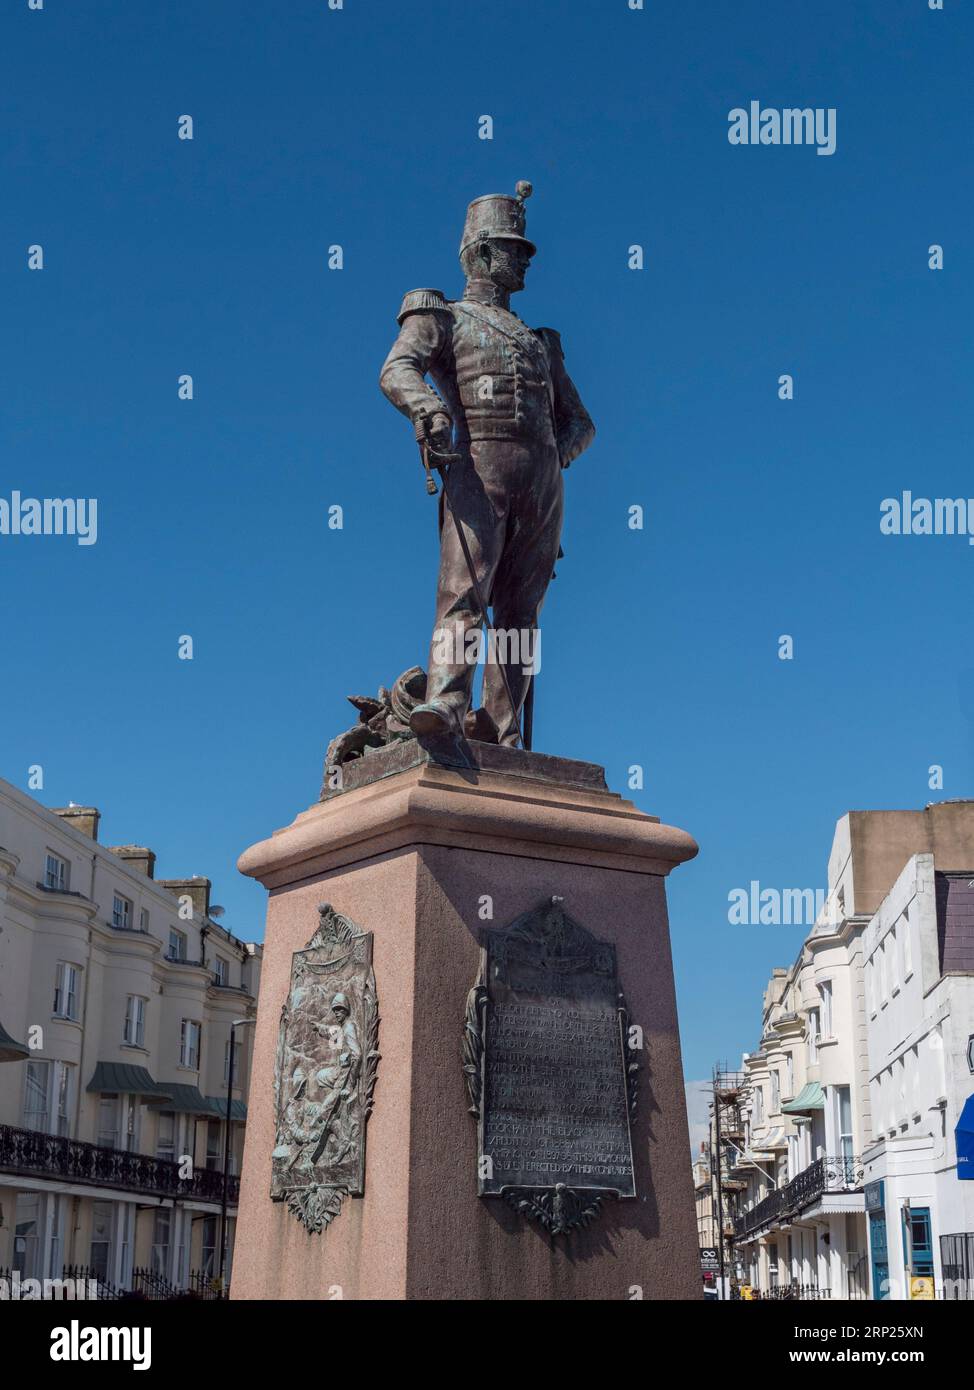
325	1072
318	1125
318	1121
501	418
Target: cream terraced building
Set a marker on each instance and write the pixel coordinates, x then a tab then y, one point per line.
801	1224
117	995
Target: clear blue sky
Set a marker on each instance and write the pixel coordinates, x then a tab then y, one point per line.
359	127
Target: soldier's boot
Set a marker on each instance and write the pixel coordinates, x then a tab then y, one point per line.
451	670
434	717
478	725
508	724
497	693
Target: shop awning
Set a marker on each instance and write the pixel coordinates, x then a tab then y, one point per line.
811	1098
188	1100
122	1078
964	1134
10	1049
218	1108
774	1139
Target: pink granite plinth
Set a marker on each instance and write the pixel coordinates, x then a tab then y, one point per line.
410	856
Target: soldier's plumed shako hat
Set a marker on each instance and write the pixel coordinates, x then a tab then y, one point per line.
497	216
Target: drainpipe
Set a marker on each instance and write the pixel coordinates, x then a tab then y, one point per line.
75	1228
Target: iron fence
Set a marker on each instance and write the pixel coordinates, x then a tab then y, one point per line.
957	1263
792	1293
145	1284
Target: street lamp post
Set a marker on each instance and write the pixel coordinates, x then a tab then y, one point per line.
237	1023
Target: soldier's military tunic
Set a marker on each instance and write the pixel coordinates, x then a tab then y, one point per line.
517	422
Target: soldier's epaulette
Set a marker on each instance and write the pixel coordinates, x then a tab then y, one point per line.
551	338
422	301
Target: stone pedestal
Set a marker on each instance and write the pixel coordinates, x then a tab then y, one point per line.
409	850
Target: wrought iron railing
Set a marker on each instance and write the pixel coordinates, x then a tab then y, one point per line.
203	1285
838	1174
957	1261
763	1214
96	1285
792	1293
26	1151
74	1283
149	1284
146	1284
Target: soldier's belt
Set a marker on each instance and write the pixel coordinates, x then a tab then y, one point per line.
534	436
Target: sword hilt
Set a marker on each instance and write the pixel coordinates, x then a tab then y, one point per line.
441	459
427	452
430	482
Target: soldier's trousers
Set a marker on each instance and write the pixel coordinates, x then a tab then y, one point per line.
507	496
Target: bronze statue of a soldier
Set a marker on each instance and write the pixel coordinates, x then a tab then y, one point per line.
502	397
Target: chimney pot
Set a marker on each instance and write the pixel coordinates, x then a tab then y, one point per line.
136	856
83	818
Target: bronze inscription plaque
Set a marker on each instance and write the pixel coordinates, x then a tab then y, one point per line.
555	1070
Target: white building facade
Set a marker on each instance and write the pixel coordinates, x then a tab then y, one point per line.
117	995
919	965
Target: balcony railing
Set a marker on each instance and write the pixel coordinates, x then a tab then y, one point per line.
28	1151
763	1214
842	1174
